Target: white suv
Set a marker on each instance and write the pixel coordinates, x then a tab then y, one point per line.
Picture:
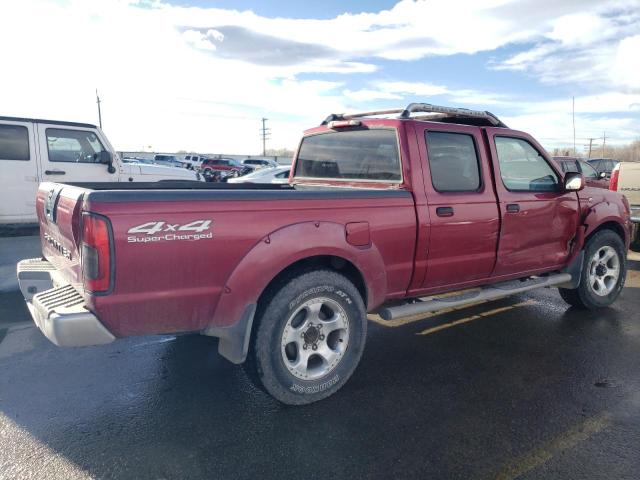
193	162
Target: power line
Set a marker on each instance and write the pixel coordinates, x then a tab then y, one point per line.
264	134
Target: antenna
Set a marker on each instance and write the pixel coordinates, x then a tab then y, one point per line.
99	113
573	114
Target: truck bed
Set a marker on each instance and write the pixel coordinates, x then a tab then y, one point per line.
171	275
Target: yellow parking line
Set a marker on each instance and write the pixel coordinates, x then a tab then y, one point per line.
478	316
566	441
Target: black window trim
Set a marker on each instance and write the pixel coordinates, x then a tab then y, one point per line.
28	159
400	181
72	130
549	164
480	188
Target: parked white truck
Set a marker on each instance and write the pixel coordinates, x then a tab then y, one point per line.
34	151
625	179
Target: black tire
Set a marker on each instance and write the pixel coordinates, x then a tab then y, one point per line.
266	362
585	296
635	245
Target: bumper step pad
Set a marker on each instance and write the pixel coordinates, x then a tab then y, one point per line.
60	314
34	275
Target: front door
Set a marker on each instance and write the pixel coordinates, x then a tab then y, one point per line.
18	172
71	154
539	219
463	210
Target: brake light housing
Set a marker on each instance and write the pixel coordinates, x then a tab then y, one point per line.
613	181
97	254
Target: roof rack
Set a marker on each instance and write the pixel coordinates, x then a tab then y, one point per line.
434	113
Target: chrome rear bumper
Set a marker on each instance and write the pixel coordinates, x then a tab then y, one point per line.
58	309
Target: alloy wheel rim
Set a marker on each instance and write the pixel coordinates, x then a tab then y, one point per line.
604	271
315	338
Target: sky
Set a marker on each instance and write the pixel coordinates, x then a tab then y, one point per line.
198	75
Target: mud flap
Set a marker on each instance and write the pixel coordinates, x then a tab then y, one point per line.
234	340
575	270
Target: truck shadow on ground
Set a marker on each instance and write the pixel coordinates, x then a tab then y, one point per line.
460	403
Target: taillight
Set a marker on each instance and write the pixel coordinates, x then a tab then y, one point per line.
615	175
96	253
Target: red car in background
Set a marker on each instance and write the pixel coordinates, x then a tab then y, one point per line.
228	167
592	177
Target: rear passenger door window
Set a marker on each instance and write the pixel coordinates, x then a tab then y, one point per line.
14	143
453	162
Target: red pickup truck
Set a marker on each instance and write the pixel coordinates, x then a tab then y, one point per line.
384	211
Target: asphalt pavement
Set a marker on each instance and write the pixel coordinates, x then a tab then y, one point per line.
523	387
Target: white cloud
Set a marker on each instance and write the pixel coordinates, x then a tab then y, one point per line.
597	48
203	41
201	78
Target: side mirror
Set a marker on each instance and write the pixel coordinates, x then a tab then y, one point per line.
573	182
602	175
105	158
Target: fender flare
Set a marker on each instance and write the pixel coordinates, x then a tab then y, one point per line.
233	315
605	212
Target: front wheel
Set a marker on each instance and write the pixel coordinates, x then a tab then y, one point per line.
309	338
603	273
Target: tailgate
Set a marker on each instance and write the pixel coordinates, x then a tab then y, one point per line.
59	209
629	182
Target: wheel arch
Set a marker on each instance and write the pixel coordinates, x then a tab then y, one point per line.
612	225
606	216
279	255
334	263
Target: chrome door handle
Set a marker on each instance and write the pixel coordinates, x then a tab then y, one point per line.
513	208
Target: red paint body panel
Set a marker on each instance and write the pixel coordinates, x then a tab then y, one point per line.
391	232
175	286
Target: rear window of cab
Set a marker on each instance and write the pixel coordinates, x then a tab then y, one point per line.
363	154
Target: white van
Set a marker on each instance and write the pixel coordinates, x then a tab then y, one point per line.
34	151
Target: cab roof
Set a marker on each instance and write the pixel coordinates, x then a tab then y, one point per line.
421	111
52	122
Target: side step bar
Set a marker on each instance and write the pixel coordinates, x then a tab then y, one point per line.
490	292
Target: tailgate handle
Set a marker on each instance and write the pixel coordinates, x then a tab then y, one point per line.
444	211
513	208
55	172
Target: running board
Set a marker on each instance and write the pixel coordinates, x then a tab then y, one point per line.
490	292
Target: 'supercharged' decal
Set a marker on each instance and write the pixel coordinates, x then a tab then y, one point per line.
168	232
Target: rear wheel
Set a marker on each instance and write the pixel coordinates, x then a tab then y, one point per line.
309	338
603	272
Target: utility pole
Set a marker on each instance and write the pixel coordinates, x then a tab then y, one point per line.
264	134
591	139
573	115
99	113
604	141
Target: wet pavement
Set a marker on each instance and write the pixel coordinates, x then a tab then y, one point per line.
524	388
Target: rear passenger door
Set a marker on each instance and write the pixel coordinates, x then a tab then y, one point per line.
464	220
539	219
19	172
